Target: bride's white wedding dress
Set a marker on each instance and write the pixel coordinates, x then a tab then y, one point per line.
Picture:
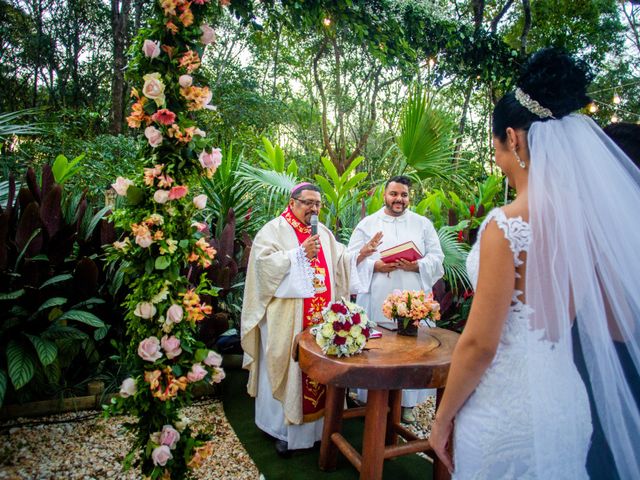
494	431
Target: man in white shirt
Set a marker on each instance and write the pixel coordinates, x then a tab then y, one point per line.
292	275
377	278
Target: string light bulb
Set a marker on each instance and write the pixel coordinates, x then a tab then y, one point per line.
326	22
432	62
614	118
616	99
593	108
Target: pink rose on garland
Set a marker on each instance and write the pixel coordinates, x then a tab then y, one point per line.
128	388
200	202
169	437
121	186
200	226
154	136
171	346
145	310
218	375
208	34
161	196
161	455
151	49
185	80
175	313
213	359
149	349
178	191
164	117
210	161
196	373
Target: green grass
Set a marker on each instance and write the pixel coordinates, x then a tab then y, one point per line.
239	409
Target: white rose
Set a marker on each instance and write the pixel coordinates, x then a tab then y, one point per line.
128	388
200	201
145	310
161	196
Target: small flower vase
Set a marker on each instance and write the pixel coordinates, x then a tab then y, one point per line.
406	327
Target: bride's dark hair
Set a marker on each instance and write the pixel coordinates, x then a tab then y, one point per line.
555	80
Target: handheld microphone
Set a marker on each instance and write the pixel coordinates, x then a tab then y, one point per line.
313	221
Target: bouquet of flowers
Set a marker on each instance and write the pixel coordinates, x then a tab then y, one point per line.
410	306
344	330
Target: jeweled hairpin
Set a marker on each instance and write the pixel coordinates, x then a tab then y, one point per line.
532	105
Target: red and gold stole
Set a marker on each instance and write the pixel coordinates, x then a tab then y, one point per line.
313	393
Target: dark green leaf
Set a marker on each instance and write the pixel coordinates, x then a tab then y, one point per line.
57	279
21	364
47	351
12	295
83	317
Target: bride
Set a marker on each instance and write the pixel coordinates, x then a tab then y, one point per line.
566	250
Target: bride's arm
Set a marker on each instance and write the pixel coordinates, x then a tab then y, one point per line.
479	340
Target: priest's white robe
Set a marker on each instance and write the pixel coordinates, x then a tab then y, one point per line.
374	287
278	279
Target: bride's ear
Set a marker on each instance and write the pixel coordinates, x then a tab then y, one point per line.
512	139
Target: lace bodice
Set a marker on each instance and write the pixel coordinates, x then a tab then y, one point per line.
494	432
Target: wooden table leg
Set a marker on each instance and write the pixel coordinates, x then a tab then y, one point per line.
393	418
440	472
333	409
375	424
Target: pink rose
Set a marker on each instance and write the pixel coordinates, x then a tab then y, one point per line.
149	349
185	80
200	201
208	34
151	49
144	241
199	132
128	388
153	88
210	160
145	310
164	117
161	196
175	313
121	186
213	359
169	437
154	136
178	191
196	373
161	455
200	226
218	375
171	346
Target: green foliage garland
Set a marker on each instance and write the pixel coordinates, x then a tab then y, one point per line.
163	247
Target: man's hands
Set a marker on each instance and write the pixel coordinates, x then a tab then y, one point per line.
402	264
311	246
369	247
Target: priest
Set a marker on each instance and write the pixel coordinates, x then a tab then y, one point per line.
398	225
292	274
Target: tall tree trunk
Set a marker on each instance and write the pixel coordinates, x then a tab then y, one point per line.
119	27
527	26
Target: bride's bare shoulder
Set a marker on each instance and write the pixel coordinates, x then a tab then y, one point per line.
517	209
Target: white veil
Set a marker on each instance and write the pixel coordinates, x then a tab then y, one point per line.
584	263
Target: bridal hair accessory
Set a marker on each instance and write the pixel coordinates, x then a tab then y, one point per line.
520	161
532	105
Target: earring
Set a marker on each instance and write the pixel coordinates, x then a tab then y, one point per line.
520	161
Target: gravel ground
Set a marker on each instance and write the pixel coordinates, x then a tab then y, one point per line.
84	446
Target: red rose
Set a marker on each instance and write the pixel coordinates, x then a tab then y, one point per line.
356	318
337	326
338	340
339	308
365	332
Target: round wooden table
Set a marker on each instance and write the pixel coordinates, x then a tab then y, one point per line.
388	365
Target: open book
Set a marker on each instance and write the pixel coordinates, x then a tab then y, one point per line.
406	250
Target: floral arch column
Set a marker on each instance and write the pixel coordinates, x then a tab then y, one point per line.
163	243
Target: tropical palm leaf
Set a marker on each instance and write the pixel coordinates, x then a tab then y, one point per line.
274	187
455	258
426	137
9	127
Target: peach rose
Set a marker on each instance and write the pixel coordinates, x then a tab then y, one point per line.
149	349
145	310
185	80
200	201
128	388
153	88
121	186
161	196
196	373
208	34
154	136
213	359
171	346
175	313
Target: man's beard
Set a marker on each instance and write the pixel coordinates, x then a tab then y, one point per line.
390	206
